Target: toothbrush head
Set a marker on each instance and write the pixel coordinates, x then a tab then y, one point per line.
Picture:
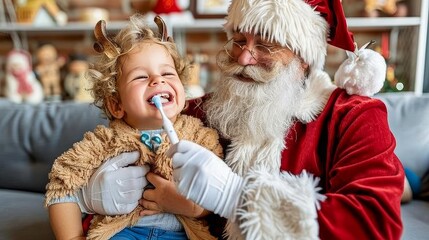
166	123
157	101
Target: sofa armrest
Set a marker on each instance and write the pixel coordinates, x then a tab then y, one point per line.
408	116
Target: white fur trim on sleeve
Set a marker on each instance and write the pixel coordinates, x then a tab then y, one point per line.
277	207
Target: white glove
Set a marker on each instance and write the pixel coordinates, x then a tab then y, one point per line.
204	178
115	188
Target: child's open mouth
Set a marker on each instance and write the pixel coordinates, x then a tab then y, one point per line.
165	98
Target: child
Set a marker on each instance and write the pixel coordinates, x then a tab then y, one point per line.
132	68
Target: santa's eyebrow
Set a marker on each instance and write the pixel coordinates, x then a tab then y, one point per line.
237	33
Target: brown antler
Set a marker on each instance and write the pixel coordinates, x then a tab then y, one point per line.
162	29
104	44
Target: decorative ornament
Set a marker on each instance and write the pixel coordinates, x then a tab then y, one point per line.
151	140
166	7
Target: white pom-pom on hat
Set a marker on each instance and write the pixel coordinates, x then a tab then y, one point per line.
362	73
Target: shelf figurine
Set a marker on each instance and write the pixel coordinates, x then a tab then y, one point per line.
394	8
21	83
40	13
76	84
48	71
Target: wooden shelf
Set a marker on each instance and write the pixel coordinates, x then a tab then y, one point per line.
382	22
69	27
201	25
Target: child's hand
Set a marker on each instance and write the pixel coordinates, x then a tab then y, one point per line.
165	198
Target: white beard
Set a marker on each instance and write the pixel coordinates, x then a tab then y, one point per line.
255	116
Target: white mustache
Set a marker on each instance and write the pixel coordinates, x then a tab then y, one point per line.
257	72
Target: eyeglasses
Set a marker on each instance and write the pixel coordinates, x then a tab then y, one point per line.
232	48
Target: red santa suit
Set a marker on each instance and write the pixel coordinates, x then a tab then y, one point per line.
349	147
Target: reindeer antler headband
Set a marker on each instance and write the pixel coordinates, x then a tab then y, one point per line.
106	45
162	29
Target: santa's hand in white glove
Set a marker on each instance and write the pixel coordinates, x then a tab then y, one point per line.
115	188
204	178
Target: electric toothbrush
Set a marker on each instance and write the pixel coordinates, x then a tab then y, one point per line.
166	123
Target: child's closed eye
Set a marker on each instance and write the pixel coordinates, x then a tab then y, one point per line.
141	77
166	74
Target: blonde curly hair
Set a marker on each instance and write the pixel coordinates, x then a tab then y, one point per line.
106	70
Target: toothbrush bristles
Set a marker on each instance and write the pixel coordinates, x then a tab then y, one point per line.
157	101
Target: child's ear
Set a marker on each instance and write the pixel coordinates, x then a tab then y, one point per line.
115	108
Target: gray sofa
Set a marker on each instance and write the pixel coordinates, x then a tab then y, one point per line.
33	136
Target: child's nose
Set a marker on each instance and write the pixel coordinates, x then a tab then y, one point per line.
158	79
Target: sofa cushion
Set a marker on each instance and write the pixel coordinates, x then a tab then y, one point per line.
415	217
408	117
33	136
23	216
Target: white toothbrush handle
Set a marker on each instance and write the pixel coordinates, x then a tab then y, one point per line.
168	127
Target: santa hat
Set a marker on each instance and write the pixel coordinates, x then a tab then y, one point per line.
304	26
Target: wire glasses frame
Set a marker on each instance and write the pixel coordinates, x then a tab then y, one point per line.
258	50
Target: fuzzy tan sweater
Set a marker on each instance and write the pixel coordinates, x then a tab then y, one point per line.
73	169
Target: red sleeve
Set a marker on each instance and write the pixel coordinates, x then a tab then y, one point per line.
194	108
86	222
366	179
350	147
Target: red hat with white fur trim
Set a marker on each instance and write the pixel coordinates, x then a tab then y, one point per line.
305	27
